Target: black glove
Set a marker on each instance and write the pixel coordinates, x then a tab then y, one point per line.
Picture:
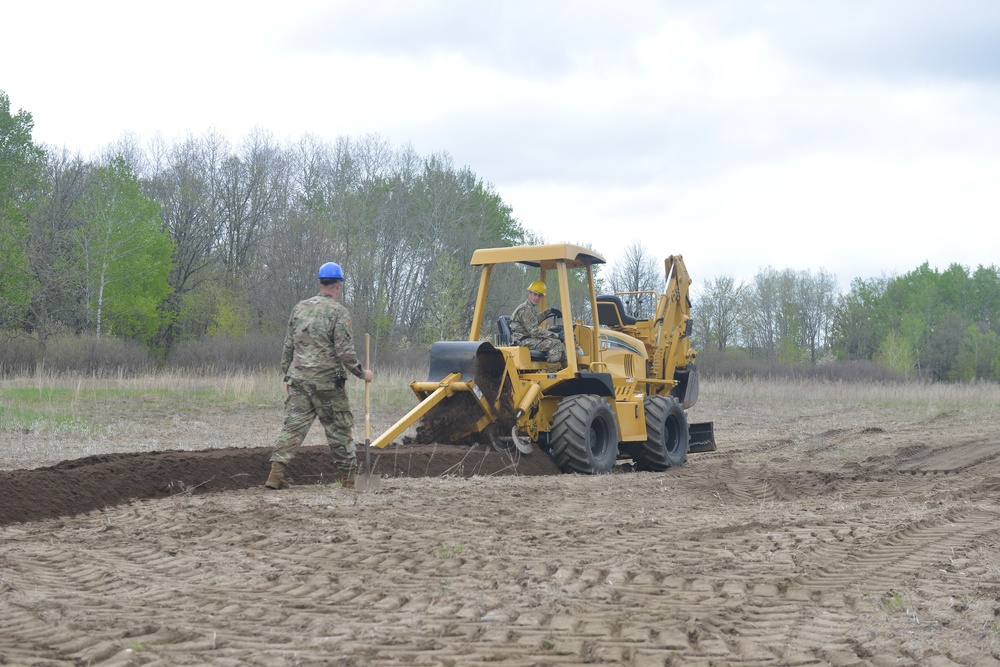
555	312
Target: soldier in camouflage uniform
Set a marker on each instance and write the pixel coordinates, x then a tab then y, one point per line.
317	356
525	331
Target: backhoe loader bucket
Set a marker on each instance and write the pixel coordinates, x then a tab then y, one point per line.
701	437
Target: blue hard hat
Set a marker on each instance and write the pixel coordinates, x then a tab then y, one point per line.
331	270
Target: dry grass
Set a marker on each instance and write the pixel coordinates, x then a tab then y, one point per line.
908	394
50	417
389	389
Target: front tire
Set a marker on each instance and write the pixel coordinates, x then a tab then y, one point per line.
584	435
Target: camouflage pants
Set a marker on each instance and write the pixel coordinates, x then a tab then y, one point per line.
305	403
554	348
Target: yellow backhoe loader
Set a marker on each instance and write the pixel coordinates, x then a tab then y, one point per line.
623	394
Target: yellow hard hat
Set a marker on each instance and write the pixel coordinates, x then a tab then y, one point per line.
537	287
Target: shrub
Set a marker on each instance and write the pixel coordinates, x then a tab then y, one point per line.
739	365
96	355
18	354
73	354
226	354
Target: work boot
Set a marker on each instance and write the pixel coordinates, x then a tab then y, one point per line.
276	480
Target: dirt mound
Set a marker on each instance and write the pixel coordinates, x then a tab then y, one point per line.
95	482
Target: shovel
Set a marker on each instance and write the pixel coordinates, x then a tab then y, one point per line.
365	481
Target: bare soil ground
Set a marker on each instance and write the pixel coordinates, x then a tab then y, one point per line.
836	525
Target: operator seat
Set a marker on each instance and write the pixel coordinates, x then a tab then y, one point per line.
506	338
611	311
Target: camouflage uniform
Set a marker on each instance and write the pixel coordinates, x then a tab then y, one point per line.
318	354
525	331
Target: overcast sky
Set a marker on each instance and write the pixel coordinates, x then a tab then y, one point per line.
857	137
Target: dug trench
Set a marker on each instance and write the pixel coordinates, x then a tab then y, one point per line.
95	482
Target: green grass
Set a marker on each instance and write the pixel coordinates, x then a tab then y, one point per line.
17	418
448	550
77	410
894	604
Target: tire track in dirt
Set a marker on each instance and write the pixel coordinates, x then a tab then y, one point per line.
949	460
903	471
633	597
731	559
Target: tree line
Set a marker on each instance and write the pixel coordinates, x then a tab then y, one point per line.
926	324
200	239
174	242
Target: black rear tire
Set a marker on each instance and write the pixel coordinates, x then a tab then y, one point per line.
666	442
584	436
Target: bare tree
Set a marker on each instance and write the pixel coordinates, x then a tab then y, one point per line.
760	326
289	259
719	310
254	195
637	272
817	302
185	180
57	285
789	314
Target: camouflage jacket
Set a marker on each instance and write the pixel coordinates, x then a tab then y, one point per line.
524	324
319	347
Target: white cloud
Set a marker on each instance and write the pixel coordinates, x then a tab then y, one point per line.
856	137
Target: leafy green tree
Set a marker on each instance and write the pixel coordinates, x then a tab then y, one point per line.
896	354
984	298
934	311
914	307
230	316
861	322
21	164
978	355
123	253
20	160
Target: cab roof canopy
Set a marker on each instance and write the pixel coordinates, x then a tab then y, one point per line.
544	256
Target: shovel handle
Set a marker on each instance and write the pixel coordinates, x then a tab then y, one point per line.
368	396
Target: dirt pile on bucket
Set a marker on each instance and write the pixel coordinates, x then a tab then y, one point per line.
451	419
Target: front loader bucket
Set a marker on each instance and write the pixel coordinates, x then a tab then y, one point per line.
701	437
473	406
460	396
449	357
